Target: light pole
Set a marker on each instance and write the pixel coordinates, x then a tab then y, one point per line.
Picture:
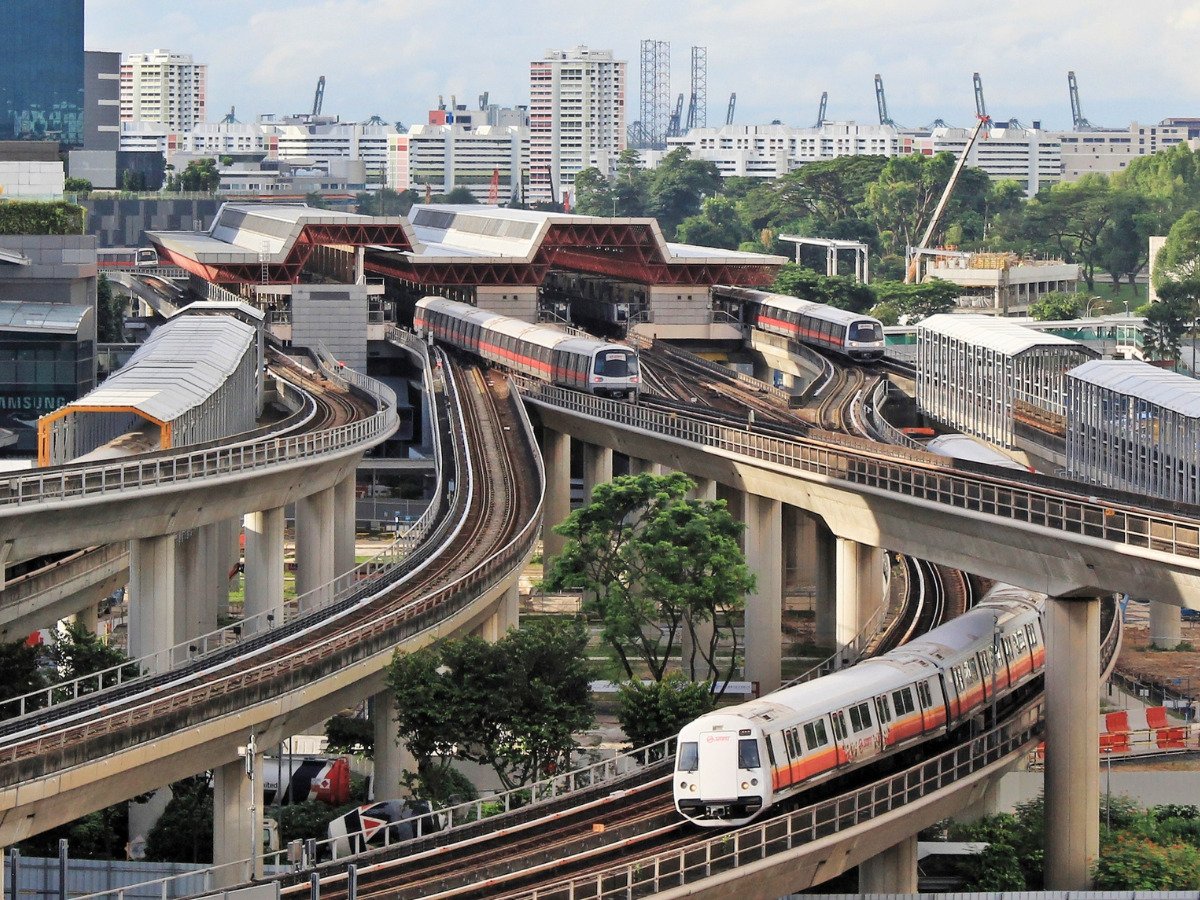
1127	309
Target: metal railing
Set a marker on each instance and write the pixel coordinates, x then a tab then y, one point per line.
379	567
888	432
753	843
900	472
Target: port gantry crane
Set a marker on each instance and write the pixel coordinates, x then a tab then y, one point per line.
821	109
914	254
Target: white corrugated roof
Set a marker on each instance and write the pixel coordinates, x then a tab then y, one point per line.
1135	378
997	334
181	364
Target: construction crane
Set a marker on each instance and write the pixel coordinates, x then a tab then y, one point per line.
915	253
494	188
732	104
821	109
673	123
230	118
319	97
980	106
1080	121
881	102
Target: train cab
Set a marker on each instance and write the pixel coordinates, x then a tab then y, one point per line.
720	776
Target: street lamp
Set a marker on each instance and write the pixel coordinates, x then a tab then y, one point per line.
1127	309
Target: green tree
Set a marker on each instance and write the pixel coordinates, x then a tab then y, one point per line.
76	651
650	712
1056	306
350	735
654	564
717	225
110	317
1166	321
593	193
201	176
386	202
913	302
184	831
837	290
513	705
132	181
77	186
677	188
1177	271
1069	218
459	196
20	674
1133	863
902	200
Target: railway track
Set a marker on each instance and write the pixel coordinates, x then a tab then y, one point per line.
496	505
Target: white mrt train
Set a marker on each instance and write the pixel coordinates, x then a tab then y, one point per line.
733	763
540	351
817	324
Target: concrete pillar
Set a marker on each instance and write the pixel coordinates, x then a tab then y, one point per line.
597	468
706	489
1165	629
859	588
506	616
191	585
764	608
391	758
1072	742
264	563
88	617
237	820
344	520
645	467
556	456
314	549
825	585
152	600
894	871
215	603
800	546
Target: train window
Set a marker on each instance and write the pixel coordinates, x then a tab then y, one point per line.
614	364
985	663
924	696
860	717
839	726
956	677
902	701
972	671
881	707
770	752
814	735
1019	639
689	756
791	747
1032	634
748	754
864	710
866	331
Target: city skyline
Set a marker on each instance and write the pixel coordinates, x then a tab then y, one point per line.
390	57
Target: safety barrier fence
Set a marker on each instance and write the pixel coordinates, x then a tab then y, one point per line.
750	845
380	567
899	472
888	432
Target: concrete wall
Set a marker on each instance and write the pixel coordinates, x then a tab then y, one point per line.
680	305
101	100
335	315
31	179
518	302
124	223
1148	788
62	269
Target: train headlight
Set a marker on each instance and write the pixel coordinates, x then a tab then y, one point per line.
745	785
692	788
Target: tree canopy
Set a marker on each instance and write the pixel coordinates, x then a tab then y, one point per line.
513	705
655	565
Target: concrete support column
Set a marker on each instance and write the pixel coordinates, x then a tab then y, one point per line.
1165	629
556	456
764	608
88	617
507	616
645	467
214	539
314	549
894	871
192	572
706	489
859	588
1072	742
237	820
597	467
344	521
391	758
264	563
152	599
825	584
800	546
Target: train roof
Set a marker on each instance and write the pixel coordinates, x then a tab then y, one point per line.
963	446
541	335
812	308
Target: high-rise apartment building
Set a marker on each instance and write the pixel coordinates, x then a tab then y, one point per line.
163	87
440	158
41	71
576	117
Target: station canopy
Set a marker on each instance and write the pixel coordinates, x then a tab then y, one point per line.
454	245
1142	381
1003	336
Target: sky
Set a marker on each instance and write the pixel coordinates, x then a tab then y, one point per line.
1134	60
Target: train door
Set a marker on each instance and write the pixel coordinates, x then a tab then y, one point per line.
791	757
1037	652
840	736
777	754
864	733
719	765
934	702
883	712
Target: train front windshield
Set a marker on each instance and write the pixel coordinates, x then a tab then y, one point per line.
616	364
865	332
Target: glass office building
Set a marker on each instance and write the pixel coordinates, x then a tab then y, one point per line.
41	71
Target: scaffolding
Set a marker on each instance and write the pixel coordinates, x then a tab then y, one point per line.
699	118
655	93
